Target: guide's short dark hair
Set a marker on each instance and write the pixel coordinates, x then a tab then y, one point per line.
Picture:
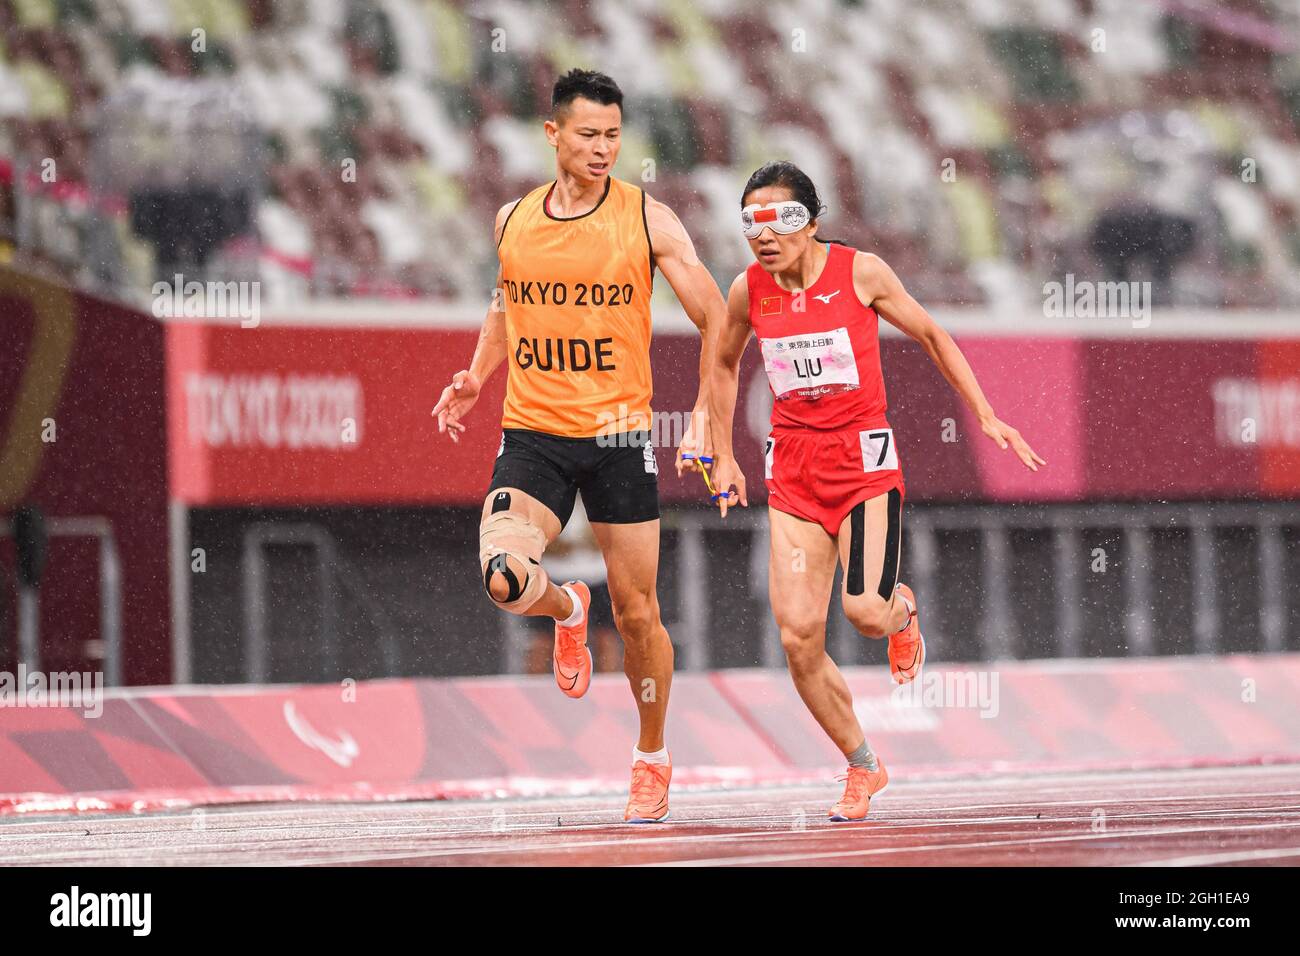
588	84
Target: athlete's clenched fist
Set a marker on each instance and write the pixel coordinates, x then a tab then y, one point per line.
697	443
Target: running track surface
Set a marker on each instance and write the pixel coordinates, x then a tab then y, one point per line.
1222	816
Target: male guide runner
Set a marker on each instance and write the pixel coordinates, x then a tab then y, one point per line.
572	319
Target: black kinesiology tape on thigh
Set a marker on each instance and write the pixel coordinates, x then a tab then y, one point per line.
858	520
889	571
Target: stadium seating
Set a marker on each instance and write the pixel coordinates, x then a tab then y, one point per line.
973	144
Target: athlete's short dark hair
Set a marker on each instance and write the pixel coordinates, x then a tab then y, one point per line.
792	178
588	84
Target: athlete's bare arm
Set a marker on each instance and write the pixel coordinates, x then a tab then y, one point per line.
674	254
878	286
732	337
459	397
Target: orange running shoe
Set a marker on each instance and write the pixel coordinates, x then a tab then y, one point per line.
648	802
571	659
907	647
860	786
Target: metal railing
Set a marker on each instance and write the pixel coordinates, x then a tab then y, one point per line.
334	574
108	648
970	565
994	633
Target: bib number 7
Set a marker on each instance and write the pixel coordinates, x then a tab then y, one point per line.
878	451
767	457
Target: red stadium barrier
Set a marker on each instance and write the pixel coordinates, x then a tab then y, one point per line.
1075	714
429	739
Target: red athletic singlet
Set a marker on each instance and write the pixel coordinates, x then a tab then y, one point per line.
821	349
830	446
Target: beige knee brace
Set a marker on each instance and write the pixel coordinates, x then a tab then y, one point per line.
511	547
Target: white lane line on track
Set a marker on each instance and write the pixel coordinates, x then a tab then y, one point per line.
1216	859
216	817
924	816
883	825
1044	804
916	805
779	822
1034	841
1120	780
1126	779
285	836
634	843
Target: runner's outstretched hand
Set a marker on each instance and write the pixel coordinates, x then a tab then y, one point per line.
1004	434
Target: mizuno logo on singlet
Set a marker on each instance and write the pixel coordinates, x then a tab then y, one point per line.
826	297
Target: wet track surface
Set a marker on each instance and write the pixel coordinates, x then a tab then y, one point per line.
1221	816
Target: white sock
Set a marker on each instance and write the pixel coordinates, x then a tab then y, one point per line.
574	619
659	757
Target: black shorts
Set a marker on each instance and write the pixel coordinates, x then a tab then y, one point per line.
617	475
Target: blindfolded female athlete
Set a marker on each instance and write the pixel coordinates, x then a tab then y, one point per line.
835	486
